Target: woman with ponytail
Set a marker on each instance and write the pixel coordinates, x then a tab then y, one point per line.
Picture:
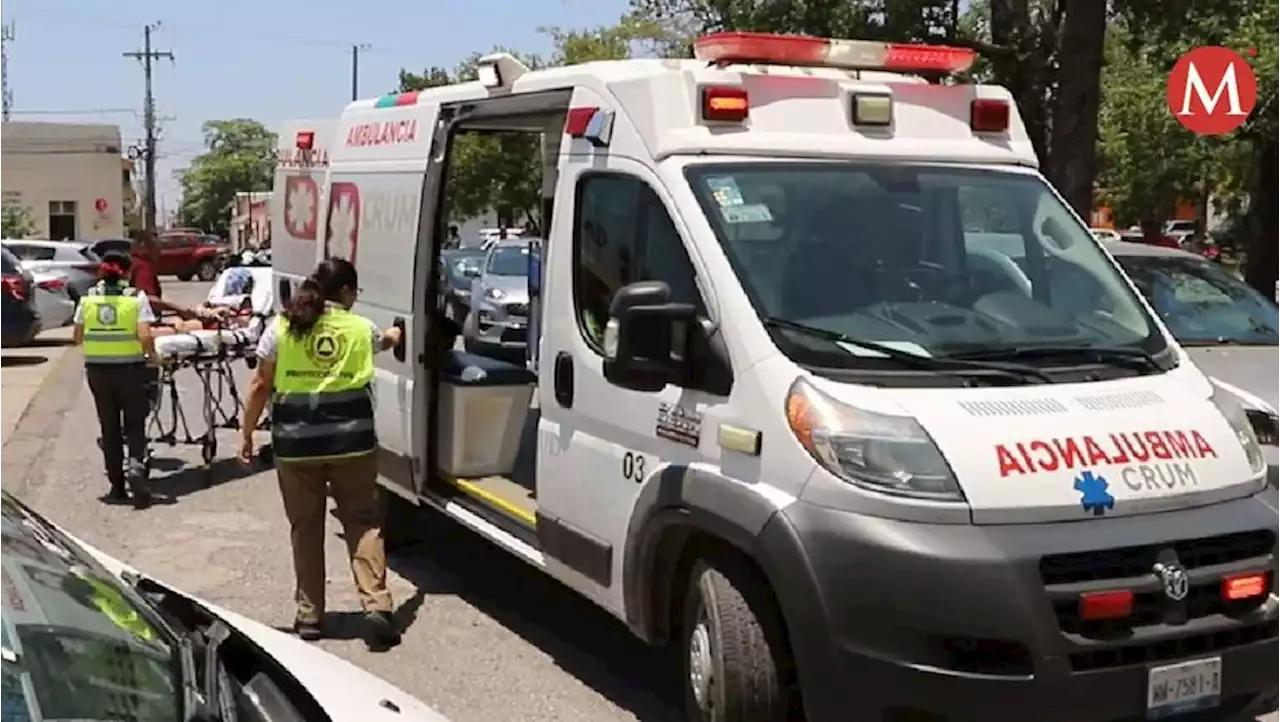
315	363
113	326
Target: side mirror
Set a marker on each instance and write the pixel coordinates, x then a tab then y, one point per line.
646	340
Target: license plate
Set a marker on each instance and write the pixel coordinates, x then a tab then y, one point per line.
1184	687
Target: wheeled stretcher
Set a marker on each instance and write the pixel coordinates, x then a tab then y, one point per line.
210	354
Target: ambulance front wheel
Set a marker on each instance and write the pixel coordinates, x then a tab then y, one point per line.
735	656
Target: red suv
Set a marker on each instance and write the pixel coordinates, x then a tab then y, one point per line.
186	252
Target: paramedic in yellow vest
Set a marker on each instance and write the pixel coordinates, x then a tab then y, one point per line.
113	326
315	363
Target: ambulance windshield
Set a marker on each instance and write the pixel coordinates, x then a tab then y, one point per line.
933	260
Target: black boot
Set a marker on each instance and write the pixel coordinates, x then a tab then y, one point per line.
380	631
117	494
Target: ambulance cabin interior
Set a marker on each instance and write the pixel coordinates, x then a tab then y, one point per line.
486	412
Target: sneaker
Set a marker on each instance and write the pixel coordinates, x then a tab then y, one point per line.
308	631
380	630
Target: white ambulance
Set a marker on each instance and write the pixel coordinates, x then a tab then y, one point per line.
835	393
298	200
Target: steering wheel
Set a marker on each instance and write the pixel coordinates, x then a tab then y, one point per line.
931	281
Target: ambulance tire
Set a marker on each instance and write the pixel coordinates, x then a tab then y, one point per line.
733	645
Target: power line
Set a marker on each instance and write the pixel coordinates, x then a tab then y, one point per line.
146	55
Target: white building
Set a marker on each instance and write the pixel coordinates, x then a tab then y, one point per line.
69	176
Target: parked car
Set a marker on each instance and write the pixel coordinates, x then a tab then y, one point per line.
1228	329
87	637
74	261
188	254
21	318
1181	230
53	300
497	324
458	270
1105	234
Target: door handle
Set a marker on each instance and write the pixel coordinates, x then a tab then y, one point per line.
563	379
398	351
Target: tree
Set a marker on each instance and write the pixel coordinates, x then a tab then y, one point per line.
17	221
502	172
1019	41
241	157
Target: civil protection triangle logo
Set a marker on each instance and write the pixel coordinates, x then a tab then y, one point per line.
1212	90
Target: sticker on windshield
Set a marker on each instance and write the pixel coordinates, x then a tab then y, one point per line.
754	213
725	191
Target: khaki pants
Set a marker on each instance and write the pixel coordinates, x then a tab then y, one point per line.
353	483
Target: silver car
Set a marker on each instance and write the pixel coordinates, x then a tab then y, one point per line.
75	262
1229	329
498	323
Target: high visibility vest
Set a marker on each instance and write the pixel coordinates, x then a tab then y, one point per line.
110	315
323	403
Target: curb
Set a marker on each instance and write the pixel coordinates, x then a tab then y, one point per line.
39	425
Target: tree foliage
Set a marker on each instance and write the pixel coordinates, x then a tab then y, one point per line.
17	221
240	156
502	172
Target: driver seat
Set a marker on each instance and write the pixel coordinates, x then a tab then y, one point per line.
832	269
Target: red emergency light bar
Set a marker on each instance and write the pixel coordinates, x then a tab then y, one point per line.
1248	585
770	49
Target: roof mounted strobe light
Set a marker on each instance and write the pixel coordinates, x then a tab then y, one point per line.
305	139
730	105
769	49
988	115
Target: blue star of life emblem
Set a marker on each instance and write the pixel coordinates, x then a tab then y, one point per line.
1094	496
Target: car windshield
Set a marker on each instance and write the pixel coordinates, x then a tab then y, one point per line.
932	260
508	261
1202	303
77	644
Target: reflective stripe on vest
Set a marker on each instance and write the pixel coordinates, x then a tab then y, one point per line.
111	325
323	404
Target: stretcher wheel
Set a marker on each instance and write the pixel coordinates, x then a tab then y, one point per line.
209	449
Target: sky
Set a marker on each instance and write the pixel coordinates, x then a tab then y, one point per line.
270	60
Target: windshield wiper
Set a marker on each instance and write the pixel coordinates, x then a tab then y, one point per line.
906	358
1113	355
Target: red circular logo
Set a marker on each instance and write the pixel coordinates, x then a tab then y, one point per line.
101	205
1212	90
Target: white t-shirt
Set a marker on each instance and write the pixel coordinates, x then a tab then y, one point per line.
145	313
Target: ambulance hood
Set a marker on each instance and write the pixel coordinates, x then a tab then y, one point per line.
1065	452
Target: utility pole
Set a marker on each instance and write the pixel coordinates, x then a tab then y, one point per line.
6	92
146	55
356	49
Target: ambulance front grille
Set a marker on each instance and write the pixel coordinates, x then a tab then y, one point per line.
1158	630
1013	407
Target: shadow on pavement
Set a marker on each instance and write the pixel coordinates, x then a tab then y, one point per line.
584	640
188	480
50	343
8	361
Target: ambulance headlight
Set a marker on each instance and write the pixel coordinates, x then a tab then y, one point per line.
1238	419
880	452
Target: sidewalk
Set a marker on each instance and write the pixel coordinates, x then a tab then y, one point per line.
24	371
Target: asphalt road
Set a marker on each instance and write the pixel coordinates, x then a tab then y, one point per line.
488	638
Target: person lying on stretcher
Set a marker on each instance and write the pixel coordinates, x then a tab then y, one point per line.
233	310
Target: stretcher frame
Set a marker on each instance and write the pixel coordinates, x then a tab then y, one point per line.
220	401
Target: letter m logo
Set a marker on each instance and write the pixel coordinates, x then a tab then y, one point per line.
1212	90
